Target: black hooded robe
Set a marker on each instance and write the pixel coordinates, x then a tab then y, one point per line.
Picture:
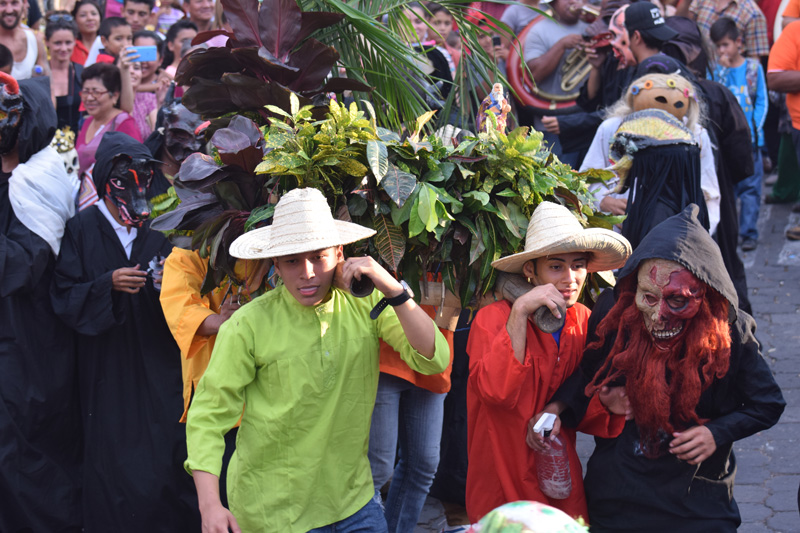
40	442
39	422
627	491
129	379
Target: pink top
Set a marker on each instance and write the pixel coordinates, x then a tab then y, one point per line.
86	151
143	103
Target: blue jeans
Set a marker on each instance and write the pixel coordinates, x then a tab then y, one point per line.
749	192
368	519
407	422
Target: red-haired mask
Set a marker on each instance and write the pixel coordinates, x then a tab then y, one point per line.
10	113
127	188
668	296
621	43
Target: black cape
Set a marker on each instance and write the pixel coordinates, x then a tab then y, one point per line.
733	154
130	384
40	443
627	491
39	420
666	179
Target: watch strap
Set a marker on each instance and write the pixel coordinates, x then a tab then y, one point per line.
401	298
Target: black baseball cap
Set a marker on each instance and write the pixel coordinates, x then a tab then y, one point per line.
647	19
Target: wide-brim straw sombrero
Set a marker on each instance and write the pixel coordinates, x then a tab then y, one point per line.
553	230
302	223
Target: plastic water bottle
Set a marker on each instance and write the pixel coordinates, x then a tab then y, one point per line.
552	464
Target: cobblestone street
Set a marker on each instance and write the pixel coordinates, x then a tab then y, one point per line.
768	467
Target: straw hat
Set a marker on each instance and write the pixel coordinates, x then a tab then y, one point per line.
302	223
554	230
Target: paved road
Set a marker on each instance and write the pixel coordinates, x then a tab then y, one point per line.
768	462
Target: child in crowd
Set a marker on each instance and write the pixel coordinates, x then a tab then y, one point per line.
115	35
439	67
179	38
745	79
145	105
442	21
168	14
154	79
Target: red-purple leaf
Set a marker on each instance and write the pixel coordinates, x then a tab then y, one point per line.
204	36
338	85
279	22
316	61
315	20
242	15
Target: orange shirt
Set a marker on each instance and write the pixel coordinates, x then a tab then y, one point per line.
185	309
792	9
504	394
785	55
392	364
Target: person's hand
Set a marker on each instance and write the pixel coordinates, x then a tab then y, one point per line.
616	400
537	442
217	519
538	296
572	40
551	124
128	279
128	56
228	307
724	60
163	81
694	445
595	57
356	267
615	206
158	273
500	52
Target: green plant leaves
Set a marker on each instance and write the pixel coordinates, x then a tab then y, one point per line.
390	242
398	185
378	158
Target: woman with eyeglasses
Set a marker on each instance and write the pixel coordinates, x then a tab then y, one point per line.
100	92
65	76
87	16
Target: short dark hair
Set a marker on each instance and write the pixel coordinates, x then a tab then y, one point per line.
80	3
650	41
108	25
108	73
150	3
60	21
722	28
150	35
6	57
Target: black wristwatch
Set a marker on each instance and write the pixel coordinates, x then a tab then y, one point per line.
401	298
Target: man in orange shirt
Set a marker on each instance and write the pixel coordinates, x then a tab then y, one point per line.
783	75
515	367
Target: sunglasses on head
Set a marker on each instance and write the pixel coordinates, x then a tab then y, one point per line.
58	17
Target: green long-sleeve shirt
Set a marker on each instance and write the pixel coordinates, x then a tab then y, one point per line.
308	377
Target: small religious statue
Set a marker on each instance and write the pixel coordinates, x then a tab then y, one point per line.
497	103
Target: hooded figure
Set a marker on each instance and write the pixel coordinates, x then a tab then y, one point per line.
129	365
40	441
696	381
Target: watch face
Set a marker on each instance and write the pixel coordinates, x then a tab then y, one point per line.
407	288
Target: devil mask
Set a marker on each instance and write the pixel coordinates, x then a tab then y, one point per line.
180	125
669	331
668	296
123	171
621	42
10	113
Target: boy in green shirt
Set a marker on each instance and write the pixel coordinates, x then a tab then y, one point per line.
303	359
